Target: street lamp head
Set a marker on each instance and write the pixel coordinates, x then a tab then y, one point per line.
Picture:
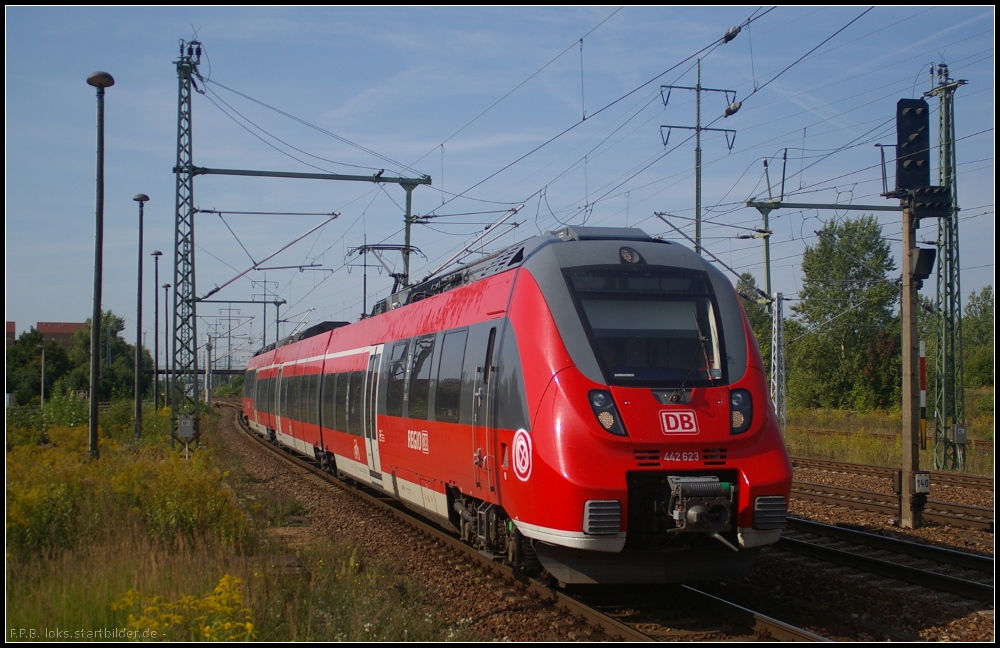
141	198
156	253
101	80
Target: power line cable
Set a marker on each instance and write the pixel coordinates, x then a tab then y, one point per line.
710	46
316	128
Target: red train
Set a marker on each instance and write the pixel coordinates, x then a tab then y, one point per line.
590	402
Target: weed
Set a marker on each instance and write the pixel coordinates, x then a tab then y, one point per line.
217	616
144	540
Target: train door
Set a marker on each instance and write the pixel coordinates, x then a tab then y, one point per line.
280	387
483	425
370	428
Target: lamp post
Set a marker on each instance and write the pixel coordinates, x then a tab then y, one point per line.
42	347
141	199
99	80
166	345
156	254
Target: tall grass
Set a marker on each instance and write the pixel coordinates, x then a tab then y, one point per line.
58	498
141	544
979	415
876	450
874	438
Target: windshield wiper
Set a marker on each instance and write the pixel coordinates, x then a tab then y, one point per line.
678	392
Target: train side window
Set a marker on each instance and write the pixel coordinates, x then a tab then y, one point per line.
396	379
317	383
420	377
340	416
282	398
295	397
303	394
272	395
355	404
312	399
299	385
489	355
295	394
448	393
329	400
304	398
260	395
512	405
264	395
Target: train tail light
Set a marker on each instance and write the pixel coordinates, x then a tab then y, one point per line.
606	412
740	411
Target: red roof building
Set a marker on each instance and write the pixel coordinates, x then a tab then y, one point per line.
61	332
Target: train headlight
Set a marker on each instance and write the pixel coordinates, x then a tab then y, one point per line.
741	411
606	412
629	256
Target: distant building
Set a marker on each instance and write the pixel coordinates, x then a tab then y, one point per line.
11	333
60	332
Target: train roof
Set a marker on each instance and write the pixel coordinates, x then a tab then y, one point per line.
314	330
505	259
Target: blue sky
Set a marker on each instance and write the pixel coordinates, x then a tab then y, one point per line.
490	103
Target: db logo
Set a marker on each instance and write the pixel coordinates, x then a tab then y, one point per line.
679	422
522	455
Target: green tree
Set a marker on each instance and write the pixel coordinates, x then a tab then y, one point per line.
840	359
233	388
24	367
117	360
977	339
757	314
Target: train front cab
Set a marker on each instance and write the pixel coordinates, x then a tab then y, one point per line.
657	456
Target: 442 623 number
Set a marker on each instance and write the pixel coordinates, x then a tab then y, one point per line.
681	456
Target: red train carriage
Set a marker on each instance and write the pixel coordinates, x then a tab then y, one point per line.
591	402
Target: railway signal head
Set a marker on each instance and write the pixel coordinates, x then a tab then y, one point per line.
913	157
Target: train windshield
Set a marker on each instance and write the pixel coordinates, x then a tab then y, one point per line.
654	327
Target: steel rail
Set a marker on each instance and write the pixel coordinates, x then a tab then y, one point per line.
978	517
760	623
609	627
934	580
941	477
974	562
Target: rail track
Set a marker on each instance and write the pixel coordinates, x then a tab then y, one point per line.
942	477
573	616
967	575
968	515
975	443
